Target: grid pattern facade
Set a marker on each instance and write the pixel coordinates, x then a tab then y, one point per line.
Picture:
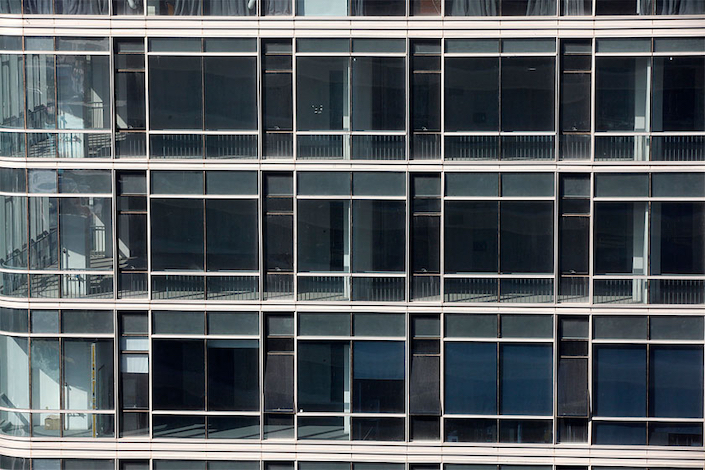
352	235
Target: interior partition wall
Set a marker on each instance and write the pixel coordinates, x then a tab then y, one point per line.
360	235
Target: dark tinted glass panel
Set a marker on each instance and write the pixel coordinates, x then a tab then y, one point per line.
471	430
279	382
323	369
675	434
378	376
620	381
619	238
677	238
231	235
230	92
679	94
526	237
322	231
572	387
322	98
574	244
178	378
619	433
575	101
676	381
233	375
179	105
378	236
177	234
471	94
130	100
277	101
621	93
529	431
527	379
377	429
528	93
471	236
424	384
378	93
425	244
471	378
426	101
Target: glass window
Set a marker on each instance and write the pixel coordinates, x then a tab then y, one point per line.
86	233
471	93
471	243
620	238
322	7
13	237
526	237
378	324
528	93
324	324
179	105
471	378
177	182
11	93
677	238
323	234
45	374
322	93
231	235
378	236
621	94
178	378
378	386
619	380
233	375
526	379
177	234
14	372
678	94
88	376
324	371
236	109
676	381
378	92
40	91
83	90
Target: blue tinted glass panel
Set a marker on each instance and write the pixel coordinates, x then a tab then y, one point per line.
676	382
620	380
527	381
471	378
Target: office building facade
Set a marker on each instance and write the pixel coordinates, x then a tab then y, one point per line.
352	235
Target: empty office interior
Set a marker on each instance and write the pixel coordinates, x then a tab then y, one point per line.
352	235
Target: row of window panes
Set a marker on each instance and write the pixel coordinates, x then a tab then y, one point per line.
338	8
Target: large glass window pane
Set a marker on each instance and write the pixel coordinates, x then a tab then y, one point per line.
12	90
619	380
46	386
621	94
229	8
83	85
471	378
231	235
472	8
620	238
132	241
378	93
324	376
323	236
43	233
677	238
378	377
528	93
676	381
14	372
177	234
378	7
526	237
86	233
179	377
179	105
322	93
236	108
378	236
13	237
472	93
41	91
527	379
233	375
130	105
679	93
88	378
471	236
